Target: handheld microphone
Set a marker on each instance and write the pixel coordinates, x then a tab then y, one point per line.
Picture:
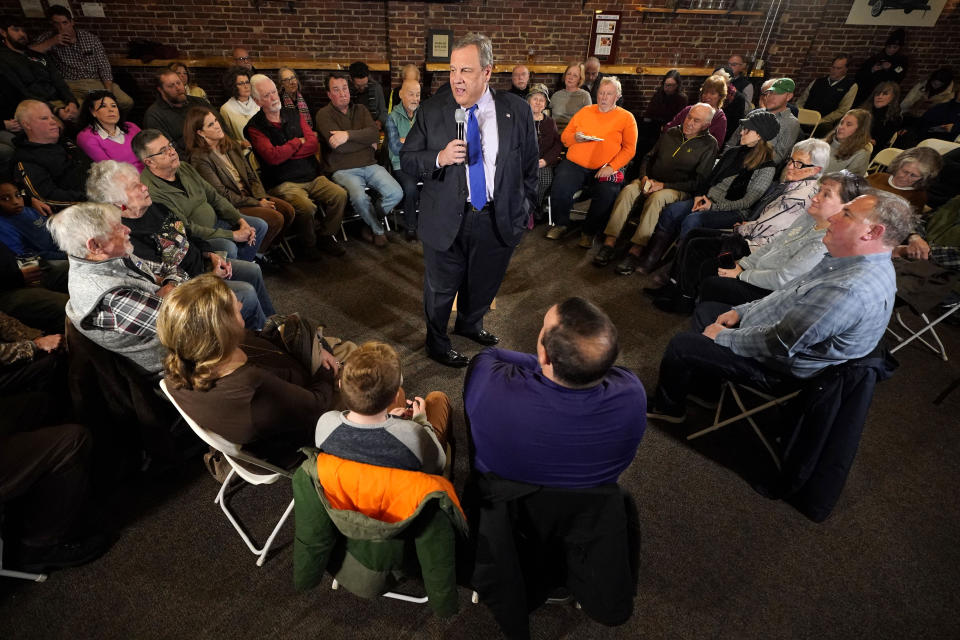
460	115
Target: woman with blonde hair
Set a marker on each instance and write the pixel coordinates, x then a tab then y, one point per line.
234	383
564	103
713	91
849	142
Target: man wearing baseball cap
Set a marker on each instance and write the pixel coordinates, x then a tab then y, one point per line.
774	96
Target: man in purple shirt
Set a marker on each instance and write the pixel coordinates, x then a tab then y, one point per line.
565	417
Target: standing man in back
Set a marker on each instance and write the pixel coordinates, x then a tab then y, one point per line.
477	193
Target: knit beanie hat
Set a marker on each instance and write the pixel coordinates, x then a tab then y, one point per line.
538	87
763	122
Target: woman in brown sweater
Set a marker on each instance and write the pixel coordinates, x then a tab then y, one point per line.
235	383
909	175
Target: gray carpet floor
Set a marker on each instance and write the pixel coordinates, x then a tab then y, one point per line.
718	560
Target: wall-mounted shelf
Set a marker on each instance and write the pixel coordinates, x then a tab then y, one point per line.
701	12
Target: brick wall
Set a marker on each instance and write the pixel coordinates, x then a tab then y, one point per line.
806	35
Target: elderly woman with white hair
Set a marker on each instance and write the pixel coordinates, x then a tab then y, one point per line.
162	246
600	139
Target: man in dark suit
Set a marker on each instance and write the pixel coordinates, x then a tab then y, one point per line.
476	198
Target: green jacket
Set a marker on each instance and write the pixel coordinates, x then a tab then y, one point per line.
366	554
199	207
943	227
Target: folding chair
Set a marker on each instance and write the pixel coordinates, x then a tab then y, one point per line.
882	160
233	454
912	334
9	573
943	147
377	210
735	390
808	118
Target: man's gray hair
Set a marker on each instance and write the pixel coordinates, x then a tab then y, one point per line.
103	184
140	141
75	225
483	44
894	213
254	81
709	107
615	81
818	150
25	108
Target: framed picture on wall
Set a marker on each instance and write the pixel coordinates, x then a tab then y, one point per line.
439	42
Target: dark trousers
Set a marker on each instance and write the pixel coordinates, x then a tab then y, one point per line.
567	180
730	291
695	363
697	257
471	270
411	197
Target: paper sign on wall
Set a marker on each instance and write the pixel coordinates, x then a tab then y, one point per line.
32	8
92	9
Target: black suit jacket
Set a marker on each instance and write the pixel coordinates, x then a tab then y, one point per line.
445	189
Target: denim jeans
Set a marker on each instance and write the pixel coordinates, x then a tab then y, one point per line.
250	273
243	251
567	180
678	219
411	197
377	178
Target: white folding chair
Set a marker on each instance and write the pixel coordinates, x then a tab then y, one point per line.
943	147
9	573
913	334
233	454
808	118
882	160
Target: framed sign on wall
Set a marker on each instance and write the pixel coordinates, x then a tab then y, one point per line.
439	42
604	34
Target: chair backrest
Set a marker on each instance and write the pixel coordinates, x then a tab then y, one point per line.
808	118
943	147
882	160
230	450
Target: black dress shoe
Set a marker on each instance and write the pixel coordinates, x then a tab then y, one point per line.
483	337
451	358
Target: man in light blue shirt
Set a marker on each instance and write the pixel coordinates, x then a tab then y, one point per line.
836	312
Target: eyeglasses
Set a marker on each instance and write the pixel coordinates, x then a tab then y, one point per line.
165	149
243	59
243	83
796	164
290	79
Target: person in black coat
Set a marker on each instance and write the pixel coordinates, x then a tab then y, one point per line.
887	66
470	226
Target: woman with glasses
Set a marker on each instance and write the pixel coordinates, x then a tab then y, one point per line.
850	143
183	72
105	134
290	93
238	110
884	108
909	175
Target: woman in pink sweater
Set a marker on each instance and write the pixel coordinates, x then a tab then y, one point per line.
106	135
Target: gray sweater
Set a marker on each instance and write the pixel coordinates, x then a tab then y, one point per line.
396	442
564	104
792	253
856	163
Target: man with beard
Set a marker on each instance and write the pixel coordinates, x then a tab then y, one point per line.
31	74
170	109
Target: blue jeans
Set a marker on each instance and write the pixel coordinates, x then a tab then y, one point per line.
253	316
377	178
244	251
567	180
678	219
250	273
411	196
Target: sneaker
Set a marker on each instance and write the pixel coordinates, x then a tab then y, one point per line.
330	246
586	241
603	257
654	413
628	265
557	232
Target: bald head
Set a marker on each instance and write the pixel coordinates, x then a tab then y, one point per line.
521	76
410	96
698	120
591	69
38	122
241	58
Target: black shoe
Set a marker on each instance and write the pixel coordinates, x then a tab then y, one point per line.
483	337
63	555
603	257
668	290
266	263
628	265
451	358
330	246
679	304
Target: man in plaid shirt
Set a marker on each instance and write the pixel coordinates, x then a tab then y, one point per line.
80	57
836	312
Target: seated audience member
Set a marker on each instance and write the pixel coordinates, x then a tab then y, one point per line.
241	57
592	76
884	108
889	65
169	110
593	163
548	141
564	417
212	363
378	427
566	102
183	72
9	127
219	161
23	229
237	111
791	250
106	133
740	79
519	81
286	148
939	239
908	176
667	101
831	95
290	94
941	121
937	89
161	243
677	167
398	126
947	183
367	92
31	75
50	165
713	92
835	313
208	215
408	72
850	143
774	99
113	302
735	106
740	178
349	138
80	58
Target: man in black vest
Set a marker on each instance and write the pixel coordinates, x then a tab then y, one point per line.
286	148
831	96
